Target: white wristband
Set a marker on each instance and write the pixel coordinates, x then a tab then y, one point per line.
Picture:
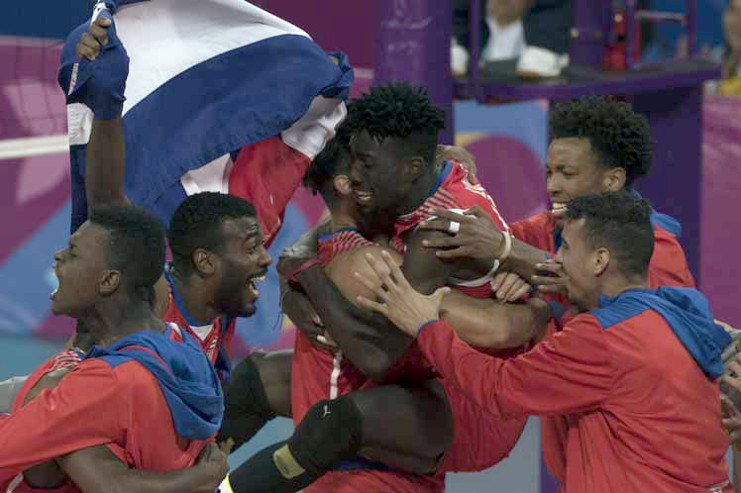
507	247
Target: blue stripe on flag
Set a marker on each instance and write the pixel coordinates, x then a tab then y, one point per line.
229	101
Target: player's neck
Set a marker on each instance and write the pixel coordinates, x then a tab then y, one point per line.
419	192
616	284
196	296
115	319
342	219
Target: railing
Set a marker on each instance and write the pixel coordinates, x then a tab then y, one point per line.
590	33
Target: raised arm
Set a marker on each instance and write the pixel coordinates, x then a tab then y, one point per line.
106	163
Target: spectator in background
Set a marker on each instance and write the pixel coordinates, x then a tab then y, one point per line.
545	25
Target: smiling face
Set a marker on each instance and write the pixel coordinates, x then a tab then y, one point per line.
80	269
582	265
381	178
243	261
573	170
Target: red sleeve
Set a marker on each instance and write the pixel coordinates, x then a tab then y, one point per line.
668	266
569	372
266	174
82	411
536	231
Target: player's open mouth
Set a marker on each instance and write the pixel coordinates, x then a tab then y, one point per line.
252	284
558	208
363	198
56	290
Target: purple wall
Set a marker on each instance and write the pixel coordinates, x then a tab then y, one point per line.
346	25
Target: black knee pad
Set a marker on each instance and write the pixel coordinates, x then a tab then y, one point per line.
331	431
246	408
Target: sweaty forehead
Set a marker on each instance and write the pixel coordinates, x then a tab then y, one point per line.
240	228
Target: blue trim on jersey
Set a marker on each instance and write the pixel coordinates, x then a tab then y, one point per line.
665	221
447	168
188	381
556	239
686	311
179	300
620	308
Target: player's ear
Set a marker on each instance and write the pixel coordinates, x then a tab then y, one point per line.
204	262
614	179
110	280
602	259
342	185
415	166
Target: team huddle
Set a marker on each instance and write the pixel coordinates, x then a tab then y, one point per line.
429	328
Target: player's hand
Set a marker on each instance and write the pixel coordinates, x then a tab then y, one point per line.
462	156
94	39
403	305
731	420
303	315
551	277
210	469
94	72
509	287
732	376
477	237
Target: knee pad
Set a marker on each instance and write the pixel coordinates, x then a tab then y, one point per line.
246	408
331	431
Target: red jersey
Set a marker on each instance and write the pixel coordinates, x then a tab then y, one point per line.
453	190
478	442
121	406
635	423
319	375
215	338
668	267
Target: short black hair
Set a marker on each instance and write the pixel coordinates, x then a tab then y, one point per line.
620	136
136	243
619	222
332	161
197	223
399	111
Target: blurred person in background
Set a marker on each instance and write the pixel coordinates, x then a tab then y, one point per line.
545	25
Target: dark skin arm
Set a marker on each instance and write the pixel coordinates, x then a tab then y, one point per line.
106	163
479	238
98	470
370	341
486	323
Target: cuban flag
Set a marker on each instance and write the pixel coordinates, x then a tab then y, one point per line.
221	96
